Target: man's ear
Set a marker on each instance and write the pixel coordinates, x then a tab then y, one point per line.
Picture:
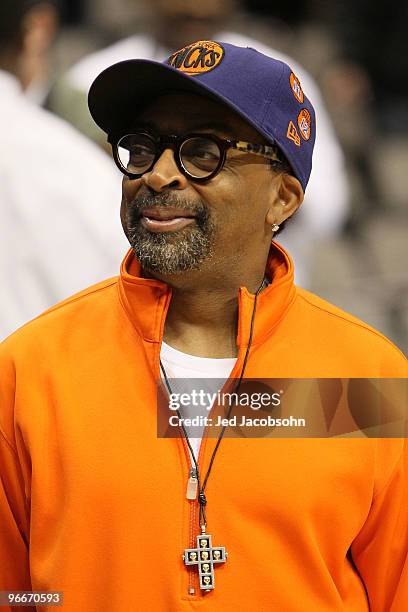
288	197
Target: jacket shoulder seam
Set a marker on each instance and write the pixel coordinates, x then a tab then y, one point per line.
356	323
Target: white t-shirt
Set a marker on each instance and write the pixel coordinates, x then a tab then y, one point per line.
182	366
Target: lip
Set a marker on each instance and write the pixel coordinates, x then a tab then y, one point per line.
165	219
165	214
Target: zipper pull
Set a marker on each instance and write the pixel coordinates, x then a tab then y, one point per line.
192	484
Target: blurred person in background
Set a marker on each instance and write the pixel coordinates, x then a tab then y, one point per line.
171	25
360	27
365	88
40	26
58	226
368	94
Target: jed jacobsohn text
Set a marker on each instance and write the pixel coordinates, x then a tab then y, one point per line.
256	401
236	421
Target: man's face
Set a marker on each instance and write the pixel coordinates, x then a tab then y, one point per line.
223	220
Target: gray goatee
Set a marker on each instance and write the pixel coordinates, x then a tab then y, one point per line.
170	252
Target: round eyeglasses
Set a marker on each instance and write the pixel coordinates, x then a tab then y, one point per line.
198	156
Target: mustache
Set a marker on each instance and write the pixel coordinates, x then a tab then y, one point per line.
165	200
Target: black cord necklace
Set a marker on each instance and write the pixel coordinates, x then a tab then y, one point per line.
205	555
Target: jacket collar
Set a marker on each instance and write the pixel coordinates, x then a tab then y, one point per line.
146	301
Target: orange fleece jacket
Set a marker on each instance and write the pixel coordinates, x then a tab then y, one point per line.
93	504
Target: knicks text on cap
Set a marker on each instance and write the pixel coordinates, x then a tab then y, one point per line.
197	58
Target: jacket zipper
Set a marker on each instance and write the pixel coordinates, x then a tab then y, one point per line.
193	575
191	495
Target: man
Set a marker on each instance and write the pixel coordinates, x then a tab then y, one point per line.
216	150
172	25
58	228
40	29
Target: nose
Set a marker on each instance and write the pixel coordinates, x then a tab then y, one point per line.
165	174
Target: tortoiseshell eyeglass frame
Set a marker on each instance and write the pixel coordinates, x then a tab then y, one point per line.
176	142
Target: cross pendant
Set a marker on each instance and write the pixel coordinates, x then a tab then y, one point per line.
205	556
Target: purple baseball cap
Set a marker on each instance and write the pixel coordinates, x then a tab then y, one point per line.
262	90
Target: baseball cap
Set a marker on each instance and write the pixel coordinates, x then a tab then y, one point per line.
262	90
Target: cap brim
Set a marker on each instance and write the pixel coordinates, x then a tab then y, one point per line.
118	93
120	90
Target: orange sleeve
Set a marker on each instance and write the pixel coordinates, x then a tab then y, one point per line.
14	513
380	551
14	564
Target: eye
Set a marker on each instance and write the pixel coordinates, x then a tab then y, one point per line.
136	152
204	153
140	151
200	156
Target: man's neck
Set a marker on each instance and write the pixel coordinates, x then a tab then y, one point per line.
202	320
203	323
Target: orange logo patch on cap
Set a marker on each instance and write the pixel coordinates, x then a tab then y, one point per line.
304	123
296	88
200	57
292	133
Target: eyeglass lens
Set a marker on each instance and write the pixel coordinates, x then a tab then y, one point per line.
200	157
